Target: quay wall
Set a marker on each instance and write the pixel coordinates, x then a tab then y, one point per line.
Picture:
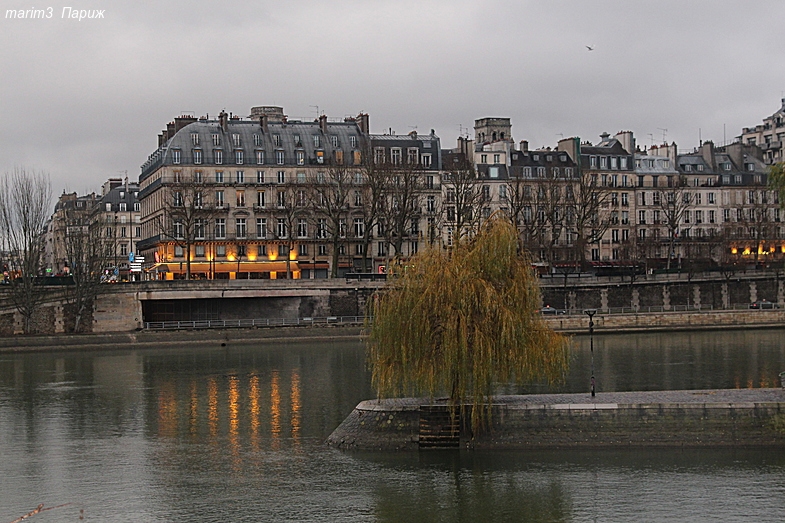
710	303
652	419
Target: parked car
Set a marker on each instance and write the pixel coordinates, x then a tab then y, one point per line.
550	310
763	304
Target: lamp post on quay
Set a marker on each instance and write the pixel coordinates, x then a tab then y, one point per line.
590	313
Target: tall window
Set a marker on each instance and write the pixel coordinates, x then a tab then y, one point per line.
216	139
240	176
178	230
218	155
281	177
240	227
260	201
260	157
199	229
395	156
321	231
238	157
176	156
359	227
236	140
220	228
261	228
281	231
259	176
279	157
302	228
195	138
197	156
240	198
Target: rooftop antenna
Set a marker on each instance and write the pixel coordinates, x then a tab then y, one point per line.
664	133
651	137
560	134
318	114
723	134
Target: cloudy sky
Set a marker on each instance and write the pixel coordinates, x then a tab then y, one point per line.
85	100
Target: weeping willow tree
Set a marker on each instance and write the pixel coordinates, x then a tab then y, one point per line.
458	325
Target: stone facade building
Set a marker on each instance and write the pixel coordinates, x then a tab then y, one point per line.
769	136
272	197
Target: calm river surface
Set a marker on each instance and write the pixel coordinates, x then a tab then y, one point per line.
236	434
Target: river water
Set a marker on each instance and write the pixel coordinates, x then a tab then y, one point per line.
236	434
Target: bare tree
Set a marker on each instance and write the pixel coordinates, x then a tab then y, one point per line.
400	209
25	206
291	206
187	211
373	182
464	199
87	254
329	199
674	202
592	218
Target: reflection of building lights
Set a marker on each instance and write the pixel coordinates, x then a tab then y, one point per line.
194	415
234	415
167	410
746	251
296	406
275	408
734	250
253	397
212	408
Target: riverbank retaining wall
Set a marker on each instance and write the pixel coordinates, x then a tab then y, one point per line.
730	418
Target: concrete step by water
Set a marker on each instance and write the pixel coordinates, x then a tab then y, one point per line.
439	428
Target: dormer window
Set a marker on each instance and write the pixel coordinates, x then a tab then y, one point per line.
137	207
700	167
353	141
122	195
726	166
257	140
687	168
123	207
317	141
238	157
218	156
300	157
236	140
176	156
279	157
194	138
259	157
277	140
297	141
334	140
216	139
197	156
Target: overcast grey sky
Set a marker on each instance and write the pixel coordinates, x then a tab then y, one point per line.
85	100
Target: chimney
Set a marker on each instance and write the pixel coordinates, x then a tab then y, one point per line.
524	146
223	121
263	123
323	123
627	140
604	137
363	122
413	135
707	152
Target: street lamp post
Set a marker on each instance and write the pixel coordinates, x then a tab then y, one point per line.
590	313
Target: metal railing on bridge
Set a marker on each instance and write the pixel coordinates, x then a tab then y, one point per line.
252	323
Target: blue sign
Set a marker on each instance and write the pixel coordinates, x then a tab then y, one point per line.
130	256
116	271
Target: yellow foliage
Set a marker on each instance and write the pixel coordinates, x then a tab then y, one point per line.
460	323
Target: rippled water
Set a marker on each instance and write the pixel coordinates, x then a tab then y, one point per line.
236	434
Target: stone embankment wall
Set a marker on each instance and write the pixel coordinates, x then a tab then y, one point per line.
121	307
710	418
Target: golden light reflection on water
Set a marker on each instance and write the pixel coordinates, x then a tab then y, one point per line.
254	409
167	410
260	410
234	418
296	406
212	408
275	409
193	419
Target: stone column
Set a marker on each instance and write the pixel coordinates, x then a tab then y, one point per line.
604	298
725	297
696	296
753	291
636	299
